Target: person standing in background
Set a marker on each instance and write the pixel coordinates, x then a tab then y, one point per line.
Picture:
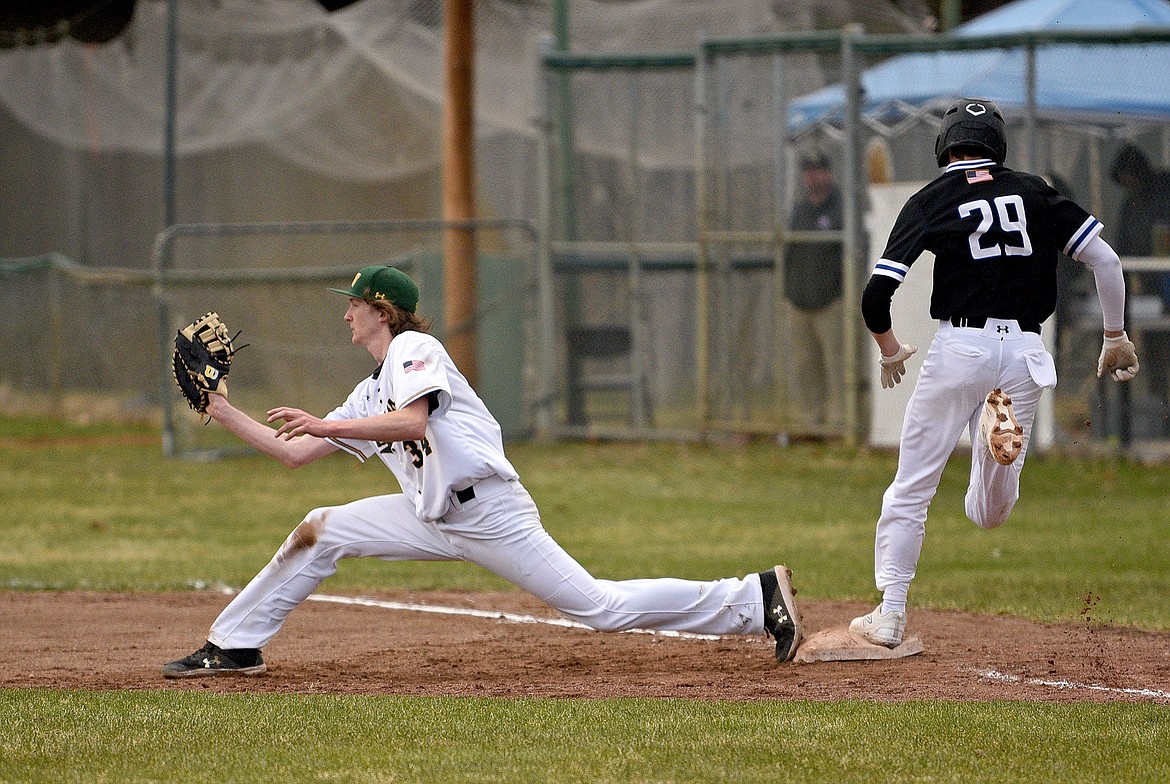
813	274
1144	217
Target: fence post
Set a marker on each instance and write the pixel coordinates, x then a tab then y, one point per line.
703	262
638	408
163	248
545	315
851	219
56	330
781	216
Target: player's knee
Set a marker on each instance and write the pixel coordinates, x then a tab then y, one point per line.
603	622
986	519
598	616
305	536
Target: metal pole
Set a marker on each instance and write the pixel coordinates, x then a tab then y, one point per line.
721	267
565	124
637	323
851	209
703	262
56	332
1030	107
950	15
782	211
546	359
566	210
169	219
172	98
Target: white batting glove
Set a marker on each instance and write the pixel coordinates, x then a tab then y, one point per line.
1118	358
894	367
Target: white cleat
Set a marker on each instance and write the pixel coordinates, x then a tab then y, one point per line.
999	430
880	628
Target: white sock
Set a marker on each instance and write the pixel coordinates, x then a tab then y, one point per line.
893	604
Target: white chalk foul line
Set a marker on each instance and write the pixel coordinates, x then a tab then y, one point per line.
494	615
995	675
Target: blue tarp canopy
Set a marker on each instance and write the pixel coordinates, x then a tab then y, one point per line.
1100	83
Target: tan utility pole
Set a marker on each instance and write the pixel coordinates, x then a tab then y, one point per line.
459	266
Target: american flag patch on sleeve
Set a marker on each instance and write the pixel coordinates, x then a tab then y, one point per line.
413	364
978	175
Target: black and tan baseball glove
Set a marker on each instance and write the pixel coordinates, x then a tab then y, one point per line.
203	357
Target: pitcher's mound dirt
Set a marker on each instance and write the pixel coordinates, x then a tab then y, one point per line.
119	641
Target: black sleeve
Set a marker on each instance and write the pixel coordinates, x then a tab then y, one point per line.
875	303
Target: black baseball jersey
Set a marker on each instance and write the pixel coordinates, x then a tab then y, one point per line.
995	234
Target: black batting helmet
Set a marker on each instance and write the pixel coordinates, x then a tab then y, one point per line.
972	122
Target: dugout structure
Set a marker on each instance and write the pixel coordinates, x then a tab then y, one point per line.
672	253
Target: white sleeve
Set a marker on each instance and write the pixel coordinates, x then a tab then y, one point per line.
416	368
1098	256
348	410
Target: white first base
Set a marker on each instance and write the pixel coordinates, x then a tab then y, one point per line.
844	645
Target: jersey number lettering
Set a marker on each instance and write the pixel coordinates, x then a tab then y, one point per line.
1009	210
418	450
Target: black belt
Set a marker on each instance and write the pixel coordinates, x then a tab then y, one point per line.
465	495
980	323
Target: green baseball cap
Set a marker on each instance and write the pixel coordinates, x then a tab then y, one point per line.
380	282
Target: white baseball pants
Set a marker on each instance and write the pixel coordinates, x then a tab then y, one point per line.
961	367
500	530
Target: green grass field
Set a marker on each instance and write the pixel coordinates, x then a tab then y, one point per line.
83	512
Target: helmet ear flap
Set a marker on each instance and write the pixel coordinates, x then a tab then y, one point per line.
940	140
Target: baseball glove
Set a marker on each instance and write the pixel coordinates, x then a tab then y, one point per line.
202	359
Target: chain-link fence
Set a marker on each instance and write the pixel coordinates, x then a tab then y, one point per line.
673	188
109	333
651	288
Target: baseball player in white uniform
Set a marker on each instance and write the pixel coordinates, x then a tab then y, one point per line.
461	500
995	234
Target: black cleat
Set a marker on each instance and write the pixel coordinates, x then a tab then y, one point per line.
781	620
213	660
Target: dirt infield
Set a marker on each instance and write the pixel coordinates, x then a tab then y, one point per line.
119	641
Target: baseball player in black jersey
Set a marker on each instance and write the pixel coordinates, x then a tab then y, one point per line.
995	234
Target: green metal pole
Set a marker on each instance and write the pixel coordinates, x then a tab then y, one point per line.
546	298
853	210
169	217
638	393
170	120
567	211
781	217
950	15
703	267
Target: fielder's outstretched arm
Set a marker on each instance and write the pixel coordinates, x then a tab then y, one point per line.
405	424
293	453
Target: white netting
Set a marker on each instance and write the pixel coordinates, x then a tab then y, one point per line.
289	113
355	94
